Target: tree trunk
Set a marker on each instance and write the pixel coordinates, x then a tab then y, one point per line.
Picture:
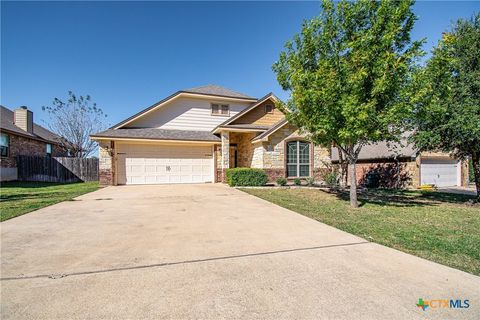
476	172
343	169
353	185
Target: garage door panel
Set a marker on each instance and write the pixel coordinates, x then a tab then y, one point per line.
135	180
440	172
151	168
151	179
198	178
136	168
147	164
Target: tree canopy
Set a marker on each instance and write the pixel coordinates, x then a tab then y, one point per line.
346	72
75	120
447	108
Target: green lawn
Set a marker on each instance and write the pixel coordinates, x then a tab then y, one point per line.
437	226
17	198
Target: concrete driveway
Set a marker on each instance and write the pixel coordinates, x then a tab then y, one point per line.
208	251
469	190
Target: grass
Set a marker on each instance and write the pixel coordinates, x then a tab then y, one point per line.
437	226
17	198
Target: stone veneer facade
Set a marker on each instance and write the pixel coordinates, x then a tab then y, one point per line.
267	155
106	163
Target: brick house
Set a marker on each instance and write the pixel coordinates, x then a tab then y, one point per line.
194	135
401	165
21	136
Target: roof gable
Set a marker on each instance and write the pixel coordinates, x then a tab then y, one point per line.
238	118
259	115
205	91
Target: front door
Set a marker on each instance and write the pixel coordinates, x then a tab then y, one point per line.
233	156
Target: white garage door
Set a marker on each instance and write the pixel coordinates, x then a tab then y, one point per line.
162	164
442	173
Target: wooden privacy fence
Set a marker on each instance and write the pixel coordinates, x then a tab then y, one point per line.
53	169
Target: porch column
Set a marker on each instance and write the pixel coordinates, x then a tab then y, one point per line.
225	153
106	163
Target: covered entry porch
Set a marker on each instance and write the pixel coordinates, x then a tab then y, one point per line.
237	150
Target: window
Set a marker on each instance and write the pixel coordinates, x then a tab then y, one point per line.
268	108
49	149
5	144
298	159
220	109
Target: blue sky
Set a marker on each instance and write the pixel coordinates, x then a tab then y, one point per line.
129	55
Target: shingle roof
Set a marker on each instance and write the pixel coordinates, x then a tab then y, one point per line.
39	132
158	134
213	89
383	150
274	128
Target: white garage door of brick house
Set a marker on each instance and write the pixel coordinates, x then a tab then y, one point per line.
440	172
163	164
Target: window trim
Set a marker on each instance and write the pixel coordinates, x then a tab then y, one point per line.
220	109
7	146
265	108
298	164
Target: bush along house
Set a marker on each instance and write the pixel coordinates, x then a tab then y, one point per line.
20	136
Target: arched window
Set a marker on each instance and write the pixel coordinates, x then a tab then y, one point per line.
298	159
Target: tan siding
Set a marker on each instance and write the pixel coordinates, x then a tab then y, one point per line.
259	117
187	114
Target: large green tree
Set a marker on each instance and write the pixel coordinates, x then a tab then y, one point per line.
346	72
447	111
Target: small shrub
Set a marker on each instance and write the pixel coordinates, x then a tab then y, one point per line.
246	177
372	180
297	182
281	181
310	181
331	178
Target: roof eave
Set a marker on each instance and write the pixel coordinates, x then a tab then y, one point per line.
264	136
93	137
25	135
218	130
